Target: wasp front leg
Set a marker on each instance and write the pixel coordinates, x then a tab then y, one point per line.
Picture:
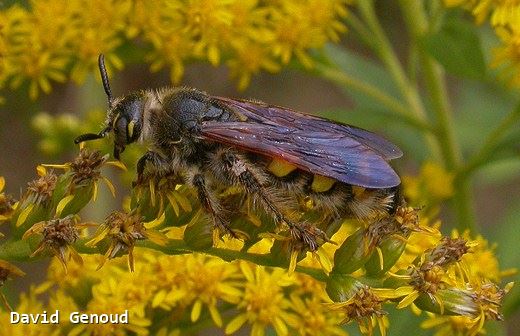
157	162
239	171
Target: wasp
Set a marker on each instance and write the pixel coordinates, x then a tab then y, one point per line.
278	157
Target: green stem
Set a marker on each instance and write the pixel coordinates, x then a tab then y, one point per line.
359	27
337	76
178	246
389	58
19	250
414	15
230	255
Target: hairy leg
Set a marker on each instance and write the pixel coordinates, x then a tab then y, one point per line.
210	203
238	171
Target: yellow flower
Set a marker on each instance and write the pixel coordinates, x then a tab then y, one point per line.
123	230
249	60
28	304
77	274
195	281
52	41
35	204
434	183
58	236
314	318
479	302
438	182
448	325
6	203
115	295
263	302
507	55
96	33
364	307
79	185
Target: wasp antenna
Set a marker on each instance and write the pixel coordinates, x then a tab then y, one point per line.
104	78
92	136
87	137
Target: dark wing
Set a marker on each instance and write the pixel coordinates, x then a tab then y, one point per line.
275	115
320	146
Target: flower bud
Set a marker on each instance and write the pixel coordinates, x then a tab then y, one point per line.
353	253
341	287
385	257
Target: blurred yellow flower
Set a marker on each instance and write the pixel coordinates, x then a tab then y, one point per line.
263	302
52	41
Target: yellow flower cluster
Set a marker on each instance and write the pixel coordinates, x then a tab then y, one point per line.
53	40
504	17
168	293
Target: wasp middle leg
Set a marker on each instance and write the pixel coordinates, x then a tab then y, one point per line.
211	204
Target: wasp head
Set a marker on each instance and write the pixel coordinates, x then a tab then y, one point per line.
124	116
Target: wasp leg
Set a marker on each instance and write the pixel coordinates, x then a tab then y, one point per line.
211	205
155	159
245	174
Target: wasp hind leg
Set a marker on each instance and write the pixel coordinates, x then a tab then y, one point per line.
241	172
212	206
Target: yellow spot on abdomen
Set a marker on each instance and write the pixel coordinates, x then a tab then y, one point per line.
358	191
280	168
322	183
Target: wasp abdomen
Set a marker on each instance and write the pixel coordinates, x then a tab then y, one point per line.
329	195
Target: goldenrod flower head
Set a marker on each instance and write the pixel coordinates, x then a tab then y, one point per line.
58	236
451	325
434	183
206	281
482	261
36	202
7	271
365	308
155	192
86	167
39	192
6	203
29	304
447	252
423	239
263	302
474	304
506	57
402	223
115	295
123	230
79	184
504	16
500	12
314	318
428	278
488	296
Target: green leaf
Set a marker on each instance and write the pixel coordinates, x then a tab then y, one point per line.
457	47
499	172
